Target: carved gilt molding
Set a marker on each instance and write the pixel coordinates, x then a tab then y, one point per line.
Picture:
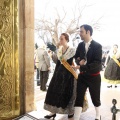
9	63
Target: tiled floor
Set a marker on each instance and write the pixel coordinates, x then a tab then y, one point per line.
107	94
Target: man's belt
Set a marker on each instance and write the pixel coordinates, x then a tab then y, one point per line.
95	74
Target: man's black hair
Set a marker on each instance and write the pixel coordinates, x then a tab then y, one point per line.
87	28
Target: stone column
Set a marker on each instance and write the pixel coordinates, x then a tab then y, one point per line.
26	54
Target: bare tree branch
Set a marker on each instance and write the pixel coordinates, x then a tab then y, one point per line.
53	28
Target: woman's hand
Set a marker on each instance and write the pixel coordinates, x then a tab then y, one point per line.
58	45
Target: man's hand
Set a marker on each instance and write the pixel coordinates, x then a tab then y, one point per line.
75	67
82	62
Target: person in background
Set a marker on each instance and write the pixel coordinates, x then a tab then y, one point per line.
104	56
51	53
54	57
52	67
112	71
36	63
44	66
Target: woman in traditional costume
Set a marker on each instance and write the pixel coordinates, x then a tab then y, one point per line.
112	71
60	96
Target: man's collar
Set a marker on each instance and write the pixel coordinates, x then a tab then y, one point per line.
89	42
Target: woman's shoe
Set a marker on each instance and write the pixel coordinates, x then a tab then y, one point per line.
70	116
98	119
115	86
109	86
50	116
